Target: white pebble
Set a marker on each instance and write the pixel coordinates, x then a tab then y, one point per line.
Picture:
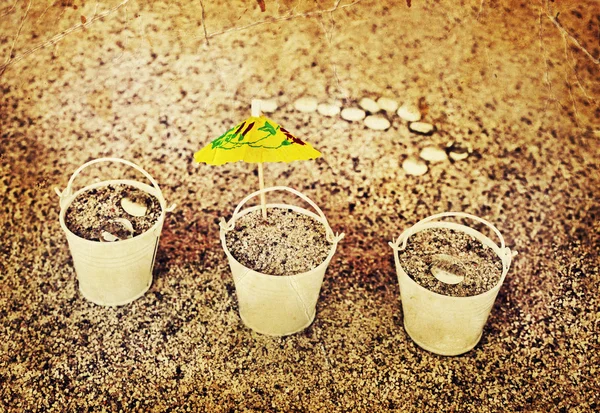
268	105
369	105
377	122
306	104
134	208
458	152
459	156
433	154
353	114
409	112
414	166
327	109
387	104
421	127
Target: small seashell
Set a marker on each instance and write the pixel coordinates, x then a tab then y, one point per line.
353	114
421	128
409	112
108	237
306	104
327	109
125	222
387	104
447	269
414	166
268	105
433	154
134	208
369	105
458	152
115	230
377	122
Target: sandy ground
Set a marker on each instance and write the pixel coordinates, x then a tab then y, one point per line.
152	82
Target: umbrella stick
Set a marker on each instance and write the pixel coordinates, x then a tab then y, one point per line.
261	183
255	109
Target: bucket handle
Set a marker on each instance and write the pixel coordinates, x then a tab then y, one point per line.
331	237
406	234
68	191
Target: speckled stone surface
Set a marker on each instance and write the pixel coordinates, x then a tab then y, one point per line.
138	80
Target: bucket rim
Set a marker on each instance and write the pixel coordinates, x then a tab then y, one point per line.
140	185
468	230
330	235
301	210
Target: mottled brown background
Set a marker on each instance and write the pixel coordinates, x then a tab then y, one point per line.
154	81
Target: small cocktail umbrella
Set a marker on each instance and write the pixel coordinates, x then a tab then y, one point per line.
256	140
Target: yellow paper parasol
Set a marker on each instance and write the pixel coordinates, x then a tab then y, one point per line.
256	140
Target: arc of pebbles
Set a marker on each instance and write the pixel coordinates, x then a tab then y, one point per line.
368	112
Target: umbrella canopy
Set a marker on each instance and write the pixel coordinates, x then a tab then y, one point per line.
256	140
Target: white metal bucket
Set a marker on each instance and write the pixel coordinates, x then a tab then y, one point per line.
272	304
113	273
443	324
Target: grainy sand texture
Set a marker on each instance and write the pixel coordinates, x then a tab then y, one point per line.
468	266
285	243
99	210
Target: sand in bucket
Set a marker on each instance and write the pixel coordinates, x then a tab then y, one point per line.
114	272
278	305
444	324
